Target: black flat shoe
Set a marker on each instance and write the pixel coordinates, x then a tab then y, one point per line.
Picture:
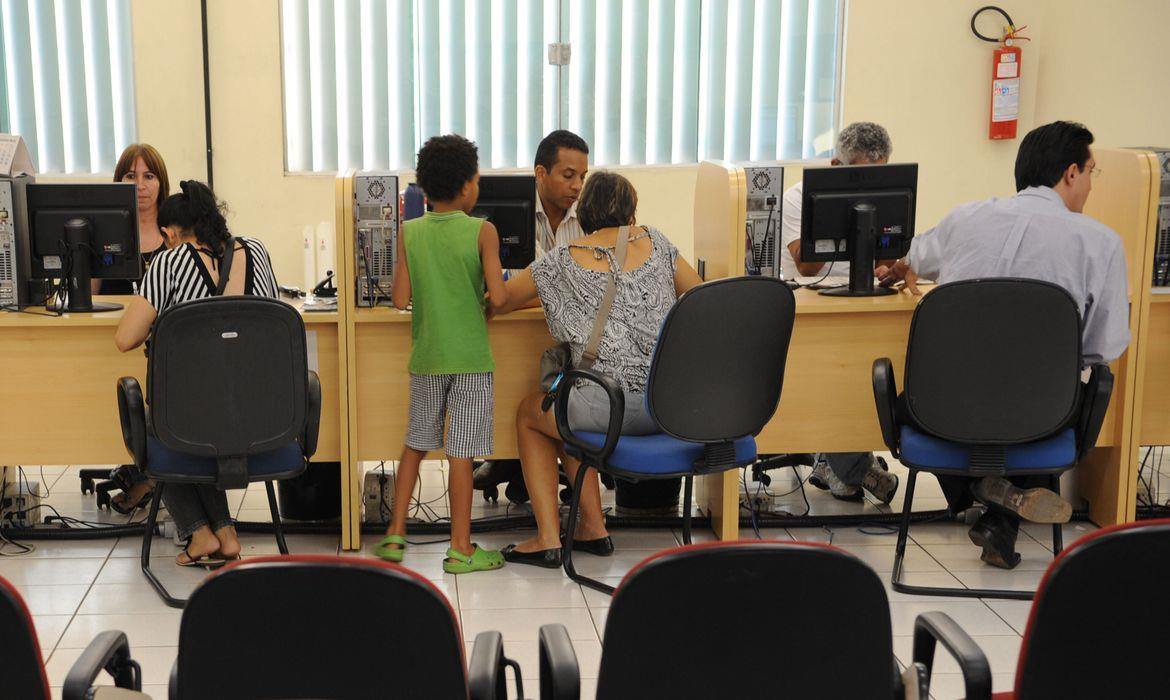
602	546
547	558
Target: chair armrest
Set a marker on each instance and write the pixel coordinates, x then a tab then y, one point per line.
933	627
486	677
132	412
560	677
885	396
915	683
1094	404
312	415
617	411
109	651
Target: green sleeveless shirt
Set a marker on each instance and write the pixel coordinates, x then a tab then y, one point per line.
448	327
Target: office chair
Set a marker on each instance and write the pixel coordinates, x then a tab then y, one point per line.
22	671
993	388
232	401
714	383
680	627
306	626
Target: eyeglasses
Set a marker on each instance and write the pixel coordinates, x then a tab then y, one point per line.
1095	172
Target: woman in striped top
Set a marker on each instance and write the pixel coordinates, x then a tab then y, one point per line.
196	233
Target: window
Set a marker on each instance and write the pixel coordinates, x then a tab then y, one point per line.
68	81
648	81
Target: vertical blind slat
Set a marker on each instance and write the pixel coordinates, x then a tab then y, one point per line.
298	119
764	123
685	127
635	41
375	111
323	98
97	80
479	93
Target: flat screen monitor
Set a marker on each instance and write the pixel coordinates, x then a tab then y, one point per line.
509	202
82	232
858	214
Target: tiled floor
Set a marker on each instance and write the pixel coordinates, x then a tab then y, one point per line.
76	589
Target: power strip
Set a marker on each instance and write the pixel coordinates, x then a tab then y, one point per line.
20	503
377	497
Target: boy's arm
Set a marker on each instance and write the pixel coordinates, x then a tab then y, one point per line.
400	290
493	273
521	292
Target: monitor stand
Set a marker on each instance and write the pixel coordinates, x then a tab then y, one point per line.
80	296
863	256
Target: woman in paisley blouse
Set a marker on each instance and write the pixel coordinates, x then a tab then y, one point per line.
569	281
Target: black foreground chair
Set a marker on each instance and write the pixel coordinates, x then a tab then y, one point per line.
1095	625
232	401
714	384
22	670
345	628
680	627
993	388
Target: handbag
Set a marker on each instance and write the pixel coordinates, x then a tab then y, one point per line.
558	359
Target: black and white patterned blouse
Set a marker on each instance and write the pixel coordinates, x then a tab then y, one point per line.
571	295
178	275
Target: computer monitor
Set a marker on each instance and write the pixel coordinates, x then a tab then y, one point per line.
509	202
858	214
79	233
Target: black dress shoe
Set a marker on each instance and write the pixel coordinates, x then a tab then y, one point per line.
996	534
602	546
547	558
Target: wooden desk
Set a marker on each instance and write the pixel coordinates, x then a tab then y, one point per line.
1155	413
60	404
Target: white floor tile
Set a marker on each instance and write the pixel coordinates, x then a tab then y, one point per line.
495	593
990	577
132	547
618	564
141	629
49	630
643	539
41	572
1015	612
1071	531
880	557
53	600
974	617
258	545
597	599
965	557
68	549
844	536
118	598
599	615
933	580
156	665
523	624
127	570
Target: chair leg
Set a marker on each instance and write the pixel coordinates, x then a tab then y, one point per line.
900	553
147	539
688	494
571	531
1057	528
277	526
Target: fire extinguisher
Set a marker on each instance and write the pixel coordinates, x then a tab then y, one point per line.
1005	76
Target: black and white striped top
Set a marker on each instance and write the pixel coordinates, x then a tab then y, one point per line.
178	275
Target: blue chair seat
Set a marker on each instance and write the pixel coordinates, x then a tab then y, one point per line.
163	462
662	454
924	451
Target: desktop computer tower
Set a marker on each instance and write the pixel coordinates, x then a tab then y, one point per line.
15	282
375	227
765	202
1162	239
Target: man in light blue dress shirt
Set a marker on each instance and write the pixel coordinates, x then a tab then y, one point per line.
1040	234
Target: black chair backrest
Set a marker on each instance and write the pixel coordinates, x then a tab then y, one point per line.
228	376
22	671
740	620
719	364
994	361
318	627
1098	616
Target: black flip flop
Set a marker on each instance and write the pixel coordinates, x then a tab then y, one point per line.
206	561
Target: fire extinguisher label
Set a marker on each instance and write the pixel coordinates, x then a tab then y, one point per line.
1007	70
1005	100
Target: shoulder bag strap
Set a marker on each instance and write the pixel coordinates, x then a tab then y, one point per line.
590	355
225	265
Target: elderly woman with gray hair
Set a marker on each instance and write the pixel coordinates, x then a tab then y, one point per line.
570	281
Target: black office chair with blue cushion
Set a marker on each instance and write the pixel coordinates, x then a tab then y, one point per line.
714	384
659	644
232	401
993	388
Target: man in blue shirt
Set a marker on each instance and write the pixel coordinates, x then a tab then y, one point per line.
1041	233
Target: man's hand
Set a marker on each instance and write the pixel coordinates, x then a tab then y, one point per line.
898	272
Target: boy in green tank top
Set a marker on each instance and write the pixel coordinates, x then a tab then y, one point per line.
444	260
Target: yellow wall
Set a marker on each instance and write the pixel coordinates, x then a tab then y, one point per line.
911	65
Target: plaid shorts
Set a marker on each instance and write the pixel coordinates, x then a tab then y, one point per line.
466	399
